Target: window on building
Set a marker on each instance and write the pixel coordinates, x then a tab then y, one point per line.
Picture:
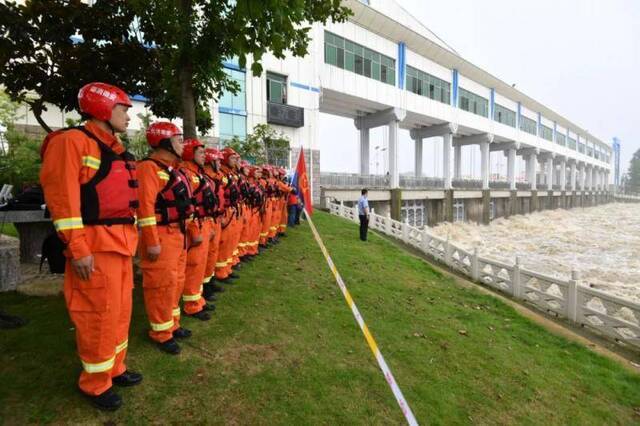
458	210
474	103
528	125
424	84
572	143
276	88
232	108
504	115
353	57
561	139
589	151
546	132
581	148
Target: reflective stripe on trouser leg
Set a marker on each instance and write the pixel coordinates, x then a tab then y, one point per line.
159	283
98	308
196	264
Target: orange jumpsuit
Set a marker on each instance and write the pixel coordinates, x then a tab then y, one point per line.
266	214
161	278
254	224
228	237
275	211
284	212
197	255
216	228
100	307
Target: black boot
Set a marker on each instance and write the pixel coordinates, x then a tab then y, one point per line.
233	276
203	315
181	333
170	346
207	292
209	307
216	288
106	401
128	378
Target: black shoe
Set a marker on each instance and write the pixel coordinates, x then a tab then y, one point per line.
207	293
181	333
233	276
209	307
282	235
217	288
170	346
203	315
106	401
128	378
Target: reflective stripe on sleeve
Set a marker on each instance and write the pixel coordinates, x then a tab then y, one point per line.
68	223
146	221
91	162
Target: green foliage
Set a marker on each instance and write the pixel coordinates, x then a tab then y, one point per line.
20	164
137	144
170	52
632	178
265	145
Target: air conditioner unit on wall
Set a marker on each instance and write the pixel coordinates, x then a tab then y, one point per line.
285	115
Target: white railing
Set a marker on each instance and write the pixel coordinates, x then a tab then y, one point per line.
567	298
626	197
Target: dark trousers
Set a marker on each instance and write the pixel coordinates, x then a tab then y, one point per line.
293	212
364	227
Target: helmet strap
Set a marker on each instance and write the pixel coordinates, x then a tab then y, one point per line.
166	145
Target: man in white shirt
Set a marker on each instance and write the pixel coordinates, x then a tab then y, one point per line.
363	213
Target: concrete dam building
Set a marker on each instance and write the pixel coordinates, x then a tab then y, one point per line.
383	68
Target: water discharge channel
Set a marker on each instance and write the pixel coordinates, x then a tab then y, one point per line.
602	242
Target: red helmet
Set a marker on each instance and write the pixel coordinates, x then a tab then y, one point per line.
190	146
211	155
161	130
98	100
228	153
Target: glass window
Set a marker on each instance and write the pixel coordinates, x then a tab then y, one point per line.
572	143
528	125
474	103
358	59
276	88
546	132
232	125
561	139
424	84
504	115
235	101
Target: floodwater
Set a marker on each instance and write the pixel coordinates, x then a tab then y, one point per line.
602	243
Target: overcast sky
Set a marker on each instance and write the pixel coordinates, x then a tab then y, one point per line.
579	57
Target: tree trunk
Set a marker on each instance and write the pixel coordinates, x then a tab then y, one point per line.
188	102
36	108
186	77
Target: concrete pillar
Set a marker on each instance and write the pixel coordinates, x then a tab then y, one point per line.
457	162
583	177
447	204
549	172
396	203
573	175
532	161
418	157
486	206
394	172
563	175
364	151
589	178
484	164
447	141
511	168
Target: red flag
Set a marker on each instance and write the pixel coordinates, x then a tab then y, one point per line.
301	183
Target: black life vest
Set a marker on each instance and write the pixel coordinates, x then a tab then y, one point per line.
174	202
111	196
205	199
231	190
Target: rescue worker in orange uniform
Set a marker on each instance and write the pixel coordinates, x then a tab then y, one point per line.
267	210
246	191
212	169
284	189
230	224
165	207
204	198
255	202
89	183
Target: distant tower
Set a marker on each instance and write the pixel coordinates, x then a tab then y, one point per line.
616	161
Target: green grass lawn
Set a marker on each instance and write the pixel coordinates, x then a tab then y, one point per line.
8	229
283	348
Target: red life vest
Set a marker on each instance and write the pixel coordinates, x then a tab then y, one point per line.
111	196
205	198
174	202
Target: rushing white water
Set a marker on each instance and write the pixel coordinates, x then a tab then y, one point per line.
602	243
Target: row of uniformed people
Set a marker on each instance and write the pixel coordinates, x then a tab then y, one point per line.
197	211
